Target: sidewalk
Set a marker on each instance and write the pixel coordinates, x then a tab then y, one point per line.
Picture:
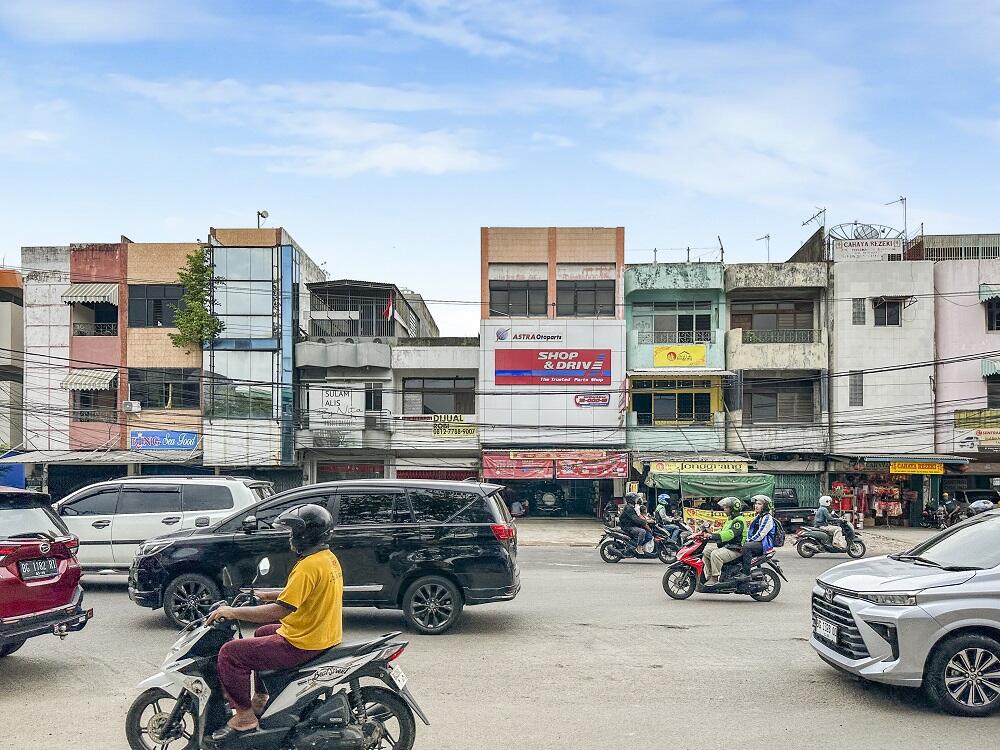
896	538
567	532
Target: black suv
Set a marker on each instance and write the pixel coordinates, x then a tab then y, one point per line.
428	548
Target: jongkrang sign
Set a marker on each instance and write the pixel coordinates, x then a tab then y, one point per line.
553	366
163	440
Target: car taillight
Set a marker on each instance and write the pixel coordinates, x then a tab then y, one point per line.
7	550
72	545
503	532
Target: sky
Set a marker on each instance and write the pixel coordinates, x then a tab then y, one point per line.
382	135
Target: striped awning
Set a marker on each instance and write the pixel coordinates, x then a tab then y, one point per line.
89	380
988	292
91	293
991	367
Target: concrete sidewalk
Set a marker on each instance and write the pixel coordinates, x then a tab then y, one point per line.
564	532
896	538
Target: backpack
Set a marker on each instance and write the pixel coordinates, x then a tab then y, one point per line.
779	533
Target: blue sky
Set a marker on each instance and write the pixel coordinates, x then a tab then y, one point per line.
384	134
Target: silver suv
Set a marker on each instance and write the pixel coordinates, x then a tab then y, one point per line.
929	617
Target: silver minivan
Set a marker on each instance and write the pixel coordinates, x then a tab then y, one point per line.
929	617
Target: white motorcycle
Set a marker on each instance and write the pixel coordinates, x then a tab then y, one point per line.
320	704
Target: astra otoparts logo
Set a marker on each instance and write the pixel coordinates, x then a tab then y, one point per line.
508	334
503	334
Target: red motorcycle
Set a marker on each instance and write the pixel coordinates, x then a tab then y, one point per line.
686	575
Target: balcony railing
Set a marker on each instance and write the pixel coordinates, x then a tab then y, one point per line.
781	336
677	337
95	329
94	415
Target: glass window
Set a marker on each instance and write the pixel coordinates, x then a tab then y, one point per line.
439	396
28	514
244	298
970	545
95	406
887	312
149	499
993	392
373	397
371	508
590	299
242	385
773	315
770	401
165	387
856	385
207	497
669	401
153	305
99	503
519	298
436	506
858	311
265	518
993	314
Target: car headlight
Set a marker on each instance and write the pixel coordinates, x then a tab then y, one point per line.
893	600
151	548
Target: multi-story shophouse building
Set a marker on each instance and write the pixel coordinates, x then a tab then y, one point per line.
552	397
12	405
777	347
385	395
675	317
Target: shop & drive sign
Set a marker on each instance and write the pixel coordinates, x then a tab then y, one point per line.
163	440
553	366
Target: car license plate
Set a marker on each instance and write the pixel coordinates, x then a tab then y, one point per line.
798	520
825	629
397	676
42	568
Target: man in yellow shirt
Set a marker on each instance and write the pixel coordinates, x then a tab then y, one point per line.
306	617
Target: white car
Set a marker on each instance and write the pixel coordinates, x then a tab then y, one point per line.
113	518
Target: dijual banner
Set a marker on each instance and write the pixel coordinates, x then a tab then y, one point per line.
553	366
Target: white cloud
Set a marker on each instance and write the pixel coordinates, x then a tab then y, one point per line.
552	139
102	21
32	127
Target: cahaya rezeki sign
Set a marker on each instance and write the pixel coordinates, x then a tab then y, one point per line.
553	366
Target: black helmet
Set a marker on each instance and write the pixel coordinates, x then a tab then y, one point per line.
309	525
634	497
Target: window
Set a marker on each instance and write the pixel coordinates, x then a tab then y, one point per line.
99	503
438	506
663	401
242	385
245	291
153	305
769	401
519	298
587	299
373	397
207	497
858	311
887	311
993	392
993	314
371	508
265	518
149	499
439	395
856	386
673	322
773	316
95	406
165	387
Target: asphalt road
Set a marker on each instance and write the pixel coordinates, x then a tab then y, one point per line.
588	656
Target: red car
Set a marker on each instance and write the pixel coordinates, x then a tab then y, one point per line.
40	589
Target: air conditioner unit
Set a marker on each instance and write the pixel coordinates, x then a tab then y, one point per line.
131	407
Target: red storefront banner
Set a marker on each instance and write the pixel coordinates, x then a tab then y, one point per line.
457	475
499	466
552	366
615	466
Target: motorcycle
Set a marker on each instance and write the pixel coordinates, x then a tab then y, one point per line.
810	540
686	575
319	704
617	544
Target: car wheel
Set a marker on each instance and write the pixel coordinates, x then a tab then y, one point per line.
610	552
963	675
188	597
10	648
431	605
857	549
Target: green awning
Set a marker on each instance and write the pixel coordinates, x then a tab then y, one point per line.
743	486
988	292
991	367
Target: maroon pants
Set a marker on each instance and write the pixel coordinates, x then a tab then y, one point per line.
265	651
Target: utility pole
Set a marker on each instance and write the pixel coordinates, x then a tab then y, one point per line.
767	242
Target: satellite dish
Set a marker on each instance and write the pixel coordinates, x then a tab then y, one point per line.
263	214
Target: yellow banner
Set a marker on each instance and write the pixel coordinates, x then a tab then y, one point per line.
698	467
915	467
696	517
679	355
450	426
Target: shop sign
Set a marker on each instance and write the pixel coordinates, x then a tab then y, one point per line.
582	455
448	426
510	334
501	467
592	400
163	440
552	366
632	487
988	439
715	518
866	249
615	466
338	468
698	467
680	355
915	467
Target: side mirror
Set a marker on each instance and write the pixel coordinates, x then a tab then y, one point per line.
263	567
249	524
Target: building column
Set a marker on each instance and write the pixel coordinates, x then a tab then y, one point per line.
552	272
484	273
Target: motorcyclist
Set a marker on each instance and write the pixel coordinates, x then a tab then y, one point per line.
760	535
632	522
305	619
665	517
824	521
725	544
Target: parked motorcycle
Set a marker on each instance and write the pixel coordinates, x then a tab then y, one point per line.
320	704
686	575
617	544
810	540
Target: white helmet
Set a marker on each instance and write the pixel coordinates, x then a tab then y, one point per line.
825	501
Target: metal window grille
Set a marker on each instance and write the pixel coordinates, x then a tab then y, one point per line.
857	388
858	311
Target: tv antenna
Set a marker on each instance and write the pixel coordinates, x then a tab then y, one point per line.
767	242
816	217
901	199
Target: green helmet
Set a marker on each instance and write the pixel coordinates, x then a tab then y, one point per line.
731	505
768	503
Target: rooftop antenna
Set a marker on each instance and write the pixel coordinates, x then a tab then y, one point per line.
654	256
901	199
816	217
261	217
767	242
689	254
722	250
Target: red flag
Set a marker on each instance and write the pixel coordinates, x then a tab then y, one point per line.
388	311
